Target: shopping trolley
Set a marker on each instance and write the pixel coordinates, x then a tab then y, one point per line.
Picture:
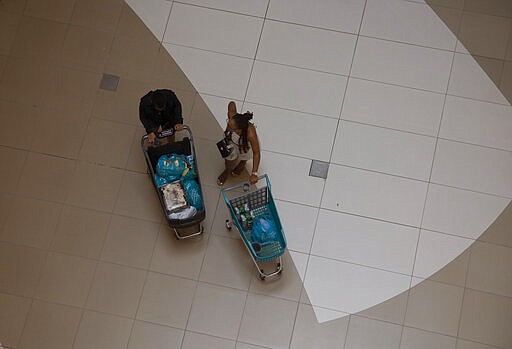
246	203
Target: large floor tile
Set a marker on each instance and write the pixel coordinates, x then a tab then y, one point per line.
116	290
46	177
337	48
178	257
154	14
378	149
39	230
258	311
9	26
312	143
13	317
486	318
467	79
56	10
166	300
372	334
473	167
393	107
102	331
282	86
375	195
489	269
66	279
130	241
50	326
85	13
476	122
437	250
348	287
253	8
227	263
145	334
298	223
365	241
193	340
212	303
12	161
20	269
95	186
418	339
339	16
435	307
213	30
402	64
498	230
80	232
17	132
207	70
391	310
308	333
460	212
399	21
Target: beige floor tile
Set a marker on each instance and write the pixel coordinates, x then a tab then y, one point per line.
240	345
85	13
453	273
57	10
203	124
86	48
417	339
132	59
145	335
209	158
493	67
66	279
167	73
50	326
287	285
451	16
81	232
12	161
489	268
138	198
17	132
309	333
499	231
102	331
46	177
39	39
227	263
3	62
37	231
25	79
95	186
12	318
131	26
493	7
166	300
8	28
178	257
107	143
20	269
59	133
187	100
5	205
463	344
372	334
434	307
486	318
196	340
459	4
391	310
506	80
12	6
116	290
476	29
211	199
130	241
219	223
267	321
136	160
212	303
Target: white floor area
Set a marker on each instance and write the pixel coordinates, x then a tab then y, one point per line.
416	134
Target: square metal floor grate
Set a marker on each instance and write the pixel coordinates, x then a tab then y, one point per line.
319	169
109	82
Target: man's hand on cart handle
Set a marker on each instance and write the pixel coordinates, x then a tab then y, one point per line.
151	138
253	178
178	127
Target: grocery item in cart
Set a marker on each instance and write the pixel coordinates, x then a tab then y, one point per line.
174	196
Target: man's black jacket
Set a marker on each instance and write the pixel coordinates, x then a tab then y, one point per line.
170	116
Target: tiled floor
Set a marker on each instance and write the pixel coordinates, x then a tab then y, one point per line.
87	261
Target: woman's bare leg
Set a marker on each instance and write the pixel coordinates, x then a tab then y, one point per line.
229	165
239	168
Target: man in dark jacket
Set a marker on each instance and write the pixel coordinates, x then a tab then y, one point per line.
160	108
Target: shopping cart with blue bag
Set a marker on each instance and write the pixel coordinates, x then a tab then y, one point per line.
254	215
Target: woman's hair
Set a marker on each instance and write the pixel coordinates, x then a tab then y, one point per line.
242	122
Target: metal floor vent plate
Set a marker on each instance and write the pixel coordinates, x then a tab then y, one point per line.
109	82
319	169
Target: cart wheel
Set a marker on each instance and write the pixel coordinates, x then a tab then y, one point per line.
228	225
262	277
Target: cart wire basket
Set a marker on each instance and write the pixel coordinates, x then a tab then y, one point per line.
246	203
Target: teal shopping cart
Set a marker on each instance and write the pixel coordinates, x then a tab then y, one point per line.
253	203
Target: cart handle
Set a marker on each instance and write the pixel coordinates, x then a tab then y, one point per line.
245	186
167	133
